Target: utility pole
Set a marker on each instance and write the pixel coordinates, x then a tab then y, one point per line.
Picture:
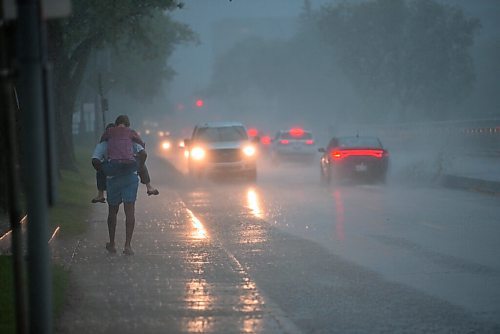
39	156
9	107
31	56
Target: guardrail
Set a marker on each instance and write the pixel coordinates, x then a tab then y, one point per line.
480	136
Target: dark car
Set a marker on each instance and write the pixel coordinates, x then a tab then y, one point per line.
354	157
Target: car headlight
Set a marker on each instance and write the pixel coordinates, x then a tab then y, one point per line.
166	145
249	150
197	153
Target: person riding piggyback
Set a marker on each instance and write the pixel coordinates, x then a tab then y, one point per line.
120	139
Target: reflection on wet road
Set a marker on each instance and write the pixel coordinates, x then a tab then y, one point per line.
438	241
199	231
288	255
253	202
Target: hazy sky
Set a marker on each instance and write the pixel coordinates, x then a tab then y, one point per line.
194	63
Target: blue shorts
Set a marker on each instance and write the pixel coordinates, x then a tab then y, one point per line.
122	188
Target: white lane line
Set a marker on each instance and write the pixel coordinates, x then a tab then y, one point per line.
274	311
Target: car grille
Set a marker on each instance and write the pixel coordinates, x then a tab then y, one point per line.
225	155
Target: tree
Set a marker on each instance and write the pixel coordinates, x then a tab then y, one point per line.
403	55
137	30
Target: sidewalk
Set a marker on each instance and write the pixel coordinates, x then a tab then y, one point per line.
180	280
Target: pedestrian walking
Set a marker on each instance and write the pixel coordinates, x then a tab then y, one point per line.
121	185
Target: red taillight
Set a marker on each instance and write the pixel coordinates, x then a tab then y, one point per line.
341	154
284	141
336	155
310	142
252	132
265	140
297	132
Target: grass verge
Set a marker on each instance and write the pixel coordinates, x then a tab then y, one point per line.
70	212
76	188
7	314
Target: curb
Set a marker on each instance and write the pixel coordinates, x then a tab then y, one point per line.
471	184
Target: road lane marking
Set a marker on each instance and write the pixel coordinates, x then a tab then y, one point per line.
273	310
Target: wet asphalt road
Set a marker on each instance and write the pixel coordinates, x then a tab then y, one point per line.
438	245
287	255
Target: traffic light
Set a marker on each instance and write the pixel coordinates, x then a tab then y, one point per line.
199	103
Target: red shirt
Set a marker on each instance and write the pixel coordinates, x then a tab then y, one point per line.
120	140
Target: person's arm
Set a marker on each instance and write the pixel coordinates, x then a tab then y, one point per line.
99	154
136	138
140	153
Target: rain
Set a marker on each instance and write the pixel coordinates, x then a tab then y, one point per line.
250	166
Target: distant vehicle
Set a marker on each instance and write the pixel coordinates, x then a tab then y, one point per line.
295	144
221	148
354	157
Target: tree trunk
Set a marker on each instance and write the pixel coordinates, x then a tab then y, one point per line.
69	75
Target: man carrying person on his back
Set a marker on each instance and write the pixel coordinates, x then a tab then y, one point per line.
121	141
121	180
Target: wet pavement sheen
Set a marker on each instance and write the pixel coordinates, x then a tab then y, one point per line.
280	256
180	280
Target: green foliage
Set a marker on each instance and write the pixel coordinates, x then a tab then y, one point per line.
75	191
416	53
371	61
139	31
7	306
139	67
7	315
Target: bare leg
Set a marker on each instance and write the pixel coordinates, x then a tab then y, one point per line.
129	226
144	174
101	187
100	194
112	212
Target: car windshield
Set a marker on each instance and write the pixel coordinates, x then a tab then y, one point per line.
226	133
359	142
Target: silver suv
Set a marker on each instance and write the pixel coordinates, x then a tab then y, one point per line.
221	148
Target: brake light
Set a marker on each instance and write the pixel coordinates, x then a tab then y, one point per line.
266	140
297	132
284	141
336	155
310	142
341	154
252	132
